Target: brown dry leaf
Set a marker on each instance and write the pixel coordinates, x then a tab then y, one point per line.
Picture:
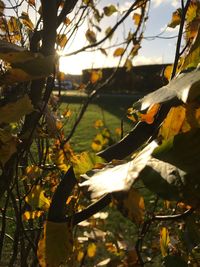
176	19
136	18
91	36
2	6
118	52
13	111
173	122
31	2
56	246
61	40
8	143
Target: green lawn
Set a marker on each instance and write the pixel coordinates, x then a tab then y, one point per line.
110	109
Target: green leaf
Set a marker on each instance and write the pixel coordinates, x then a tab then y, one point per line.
182	150
174	261
109	10
85	161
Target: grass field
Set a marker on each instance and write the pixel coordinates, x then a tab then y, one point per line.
110	109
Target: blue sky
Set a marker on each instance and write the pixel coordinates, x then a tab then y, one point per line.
152	51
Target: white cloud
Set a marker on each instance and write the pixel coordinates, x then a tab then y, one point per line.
173	3
142	60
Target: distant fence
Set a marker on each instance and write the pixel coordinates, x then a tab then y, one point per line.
140	79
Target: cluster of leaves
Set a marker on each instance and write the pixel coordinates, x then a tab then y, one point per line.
44	203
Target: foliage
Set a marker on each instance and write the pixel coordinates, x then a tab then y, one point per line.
151	175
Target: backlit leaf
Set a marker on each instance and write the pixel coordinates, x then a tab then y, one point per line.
31	215
91	36
120	177
118	52
91	250
13	24
149	116
191	12
56	245
164	241
176	19
173	122
8	145
184	87
95	76
13	111
26	20
128	65
36	198
136	18
168	72
109	10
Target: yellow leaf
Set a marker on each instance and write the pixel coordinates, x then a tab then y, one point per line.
118	52
191	12
91	250
80	256
136	18
56	246
95	76
13	111
37	199
173	122
31	215
134	50
98	124
168	72
128	65
8	144
109	10
149	116
26	20
132	206
90	36
164	241
176	19
13	25
84	162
